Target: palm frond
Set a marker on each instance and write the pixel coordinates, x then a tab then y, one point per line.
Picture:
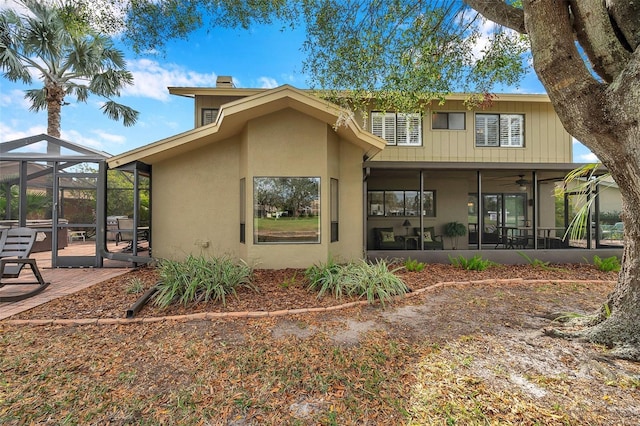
53	39
80	91
38	99
116	111
581	182
110	82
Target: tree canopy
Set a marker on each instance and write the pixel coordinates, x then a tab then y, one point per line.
58	46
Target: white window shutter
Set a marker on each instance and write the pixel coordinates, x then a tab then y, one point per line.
511	130
487	129
377	124
409	129
390	128
384	126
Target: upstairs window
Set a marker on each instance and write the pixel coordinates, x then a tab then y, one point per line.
209	115
397	128
506	130
448	121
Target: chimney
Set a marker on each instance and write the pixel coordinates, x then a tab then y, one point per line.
224	81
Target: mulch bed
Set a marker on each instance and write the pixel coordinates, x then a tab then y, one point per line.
277	290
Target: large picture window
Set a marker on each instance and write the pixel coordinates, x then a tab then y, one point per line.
286	210
397	128
505	130
401	203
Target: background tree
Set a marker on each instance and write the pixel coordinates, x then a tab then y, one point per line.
585	53
56	44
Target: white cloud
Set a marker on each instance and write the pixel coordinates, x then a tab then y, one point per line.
589	157
109	137
267	83
80	138
151	79
15	98
486	29
9	133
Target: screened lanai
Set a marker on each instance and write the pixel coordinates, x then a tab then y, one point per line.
409	211
60	189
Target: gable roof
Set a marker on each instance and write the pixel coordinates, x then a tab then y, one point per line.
33	148
234	115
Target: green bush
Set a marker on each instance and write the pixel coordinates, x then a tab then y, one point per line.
199	279
412	265
361	279
608	264
326	278
476	263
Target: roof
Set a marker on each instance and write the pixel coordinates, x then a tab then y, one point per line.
234	115
34	148
192	92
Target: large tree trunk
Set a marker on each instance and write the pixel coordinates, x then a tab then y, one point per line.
605	116
55	97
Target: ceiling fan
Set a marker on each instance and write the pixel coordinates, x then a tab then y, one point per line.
522	183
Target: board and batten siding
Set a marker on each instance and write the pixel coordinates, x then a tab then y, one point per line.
545	139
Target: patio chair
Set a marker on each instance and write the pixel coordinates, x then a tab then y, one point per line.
15	249
125	233
385	239
431	241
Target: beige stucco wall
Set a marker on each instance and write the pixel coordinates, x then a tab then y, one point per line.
196	195
546	141
195	202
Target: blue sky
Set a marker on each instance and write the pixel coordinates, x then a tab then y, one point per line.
263	57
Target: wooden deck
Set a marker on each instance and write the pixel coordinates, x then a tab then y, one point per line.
63	281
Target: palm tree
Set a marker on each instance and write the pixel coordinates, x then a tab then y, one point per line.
57	45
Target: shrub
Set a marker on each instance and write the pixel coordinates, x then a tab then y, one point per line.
200	279
608	264
361	279
326	278
476	263
412	265
135	286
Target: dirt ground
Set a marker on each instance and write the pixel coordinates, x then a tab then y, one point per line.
490	328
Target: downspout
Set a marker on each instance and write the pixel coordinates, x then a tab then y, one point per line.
596	215
367	173
421	198
536	209
479	210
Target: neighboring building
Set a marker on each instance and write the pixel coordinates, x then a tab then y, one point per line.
268	176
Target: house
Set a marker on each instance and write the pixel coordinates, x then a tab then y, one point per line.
281	178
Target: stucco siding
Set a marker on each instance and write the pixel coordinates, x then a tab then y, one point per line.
287	143
196	202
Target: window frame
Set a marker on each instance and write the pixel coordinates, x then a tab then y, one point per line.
448	124
395	126
503	127
203	113
273	210
334	207
388	200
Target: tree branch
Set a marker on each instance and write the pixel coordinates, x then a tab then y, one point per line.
501	13
559	65
626	14
598	38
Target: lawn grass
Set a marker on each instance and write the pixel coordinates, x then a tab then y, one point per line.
190	374
301	224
